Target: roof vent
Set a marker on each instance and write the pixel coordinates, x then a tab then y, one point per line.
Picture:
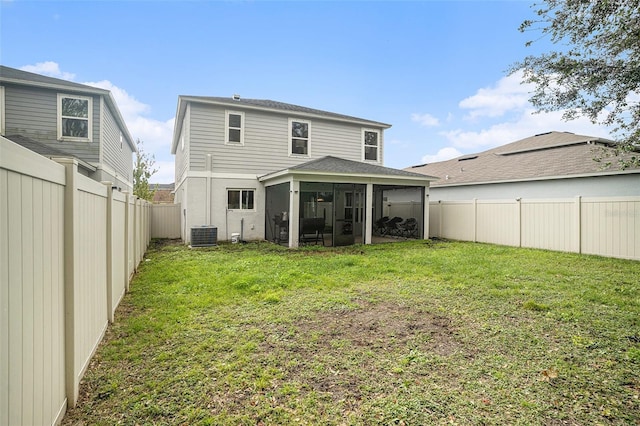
236	97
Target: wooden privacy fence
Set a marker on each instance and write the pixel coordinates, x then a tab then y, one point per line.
607	226
68	247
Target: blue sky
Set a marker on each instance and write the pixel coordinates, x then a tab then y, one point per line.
434	70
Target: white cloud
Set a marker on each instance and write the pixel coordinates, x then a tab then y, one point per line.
48	68
524	125
507	95
443	154
165	172
426	120
127	104
155	135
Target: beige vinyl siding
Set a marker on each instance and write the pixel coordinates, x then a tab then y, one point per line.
182	155
266	141
118	159
33	112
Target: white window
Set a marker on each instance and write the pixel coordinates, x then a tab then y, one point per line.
1	110
234	128
121	141
299	137
371	145
240	199
74	117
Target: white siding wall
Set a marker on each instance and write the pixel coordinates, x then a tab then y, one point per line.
32	112
116	158
266	141
182	153
624	185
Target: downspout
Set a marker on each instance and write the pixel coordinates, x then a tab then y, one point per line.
208	190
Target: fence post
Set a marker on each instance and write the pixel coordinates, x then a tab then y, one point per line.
441	219
109	259
425	214
519	219
578	225
127	235
475	220
70	232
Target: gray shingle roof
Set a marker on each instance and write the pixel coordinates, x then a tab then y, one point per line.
553	154
9	74
284	107
46	150
330	165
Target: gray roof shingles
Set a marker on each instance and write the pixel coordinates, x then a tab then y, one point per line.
285	107
330	164
7	73
553	154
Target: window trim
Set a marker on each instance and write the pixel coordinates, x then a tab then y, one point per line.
227	113
364	145
241	190
89	118
291	138
2	114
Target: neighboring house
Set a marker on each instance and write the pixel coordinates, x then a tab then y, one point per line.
163	193
59	118
270	170
549	165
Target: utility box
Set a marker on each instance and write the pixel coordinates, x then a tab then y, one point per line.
204	236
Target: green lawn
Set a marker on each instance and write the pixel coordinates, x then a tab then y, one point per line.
411	333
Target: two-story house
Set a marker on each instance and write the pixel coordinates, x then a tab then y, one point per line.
261	169
59	118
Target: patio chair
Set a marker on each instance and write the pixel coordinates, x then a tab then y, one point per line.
392	226
312	230
378	226
409	228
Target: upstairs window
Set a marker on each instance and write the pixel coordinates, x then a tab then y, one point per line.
234	128
299	134
74	117
371	145
240	199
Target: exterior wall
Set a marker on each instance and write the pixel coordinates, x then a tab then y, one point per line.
33	112
266	141
183	150
605	226
63	265
117	156
211	210
602	186
249	223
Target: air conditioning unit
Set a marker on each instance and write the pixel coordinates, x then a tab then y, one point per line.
204	236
